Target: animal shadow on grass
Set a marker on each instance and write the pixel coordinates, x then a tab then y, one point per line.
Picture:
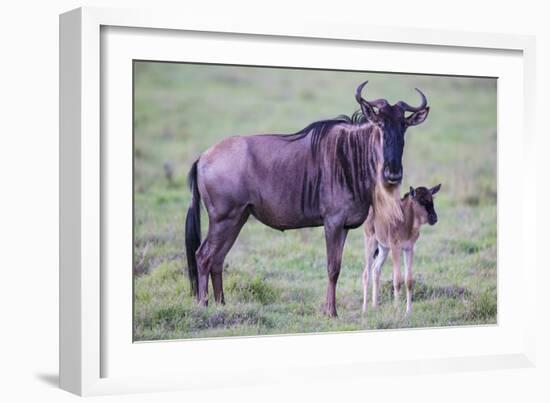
423	291
478	308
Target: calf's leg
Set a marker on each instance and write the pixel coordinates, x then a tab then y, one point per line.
396	260
377	270
408	259
370	248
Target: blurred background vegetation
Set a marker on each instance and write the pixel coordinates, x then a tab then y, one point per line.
275	282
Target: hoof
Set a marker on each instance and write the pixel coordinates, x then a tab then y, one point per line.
331	313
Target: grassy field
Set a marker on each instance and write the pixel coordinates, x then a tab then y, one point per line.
275	282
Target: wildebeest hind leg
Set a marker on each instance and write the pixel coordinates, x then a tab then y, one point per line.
222	233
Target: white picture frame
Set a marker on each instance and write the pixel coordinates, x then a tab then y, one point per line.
89	336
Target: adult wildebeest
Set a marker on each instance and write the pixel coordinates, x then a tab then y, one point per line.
327	174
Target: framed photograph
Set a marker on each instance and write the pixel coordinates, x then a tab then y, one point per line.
259	199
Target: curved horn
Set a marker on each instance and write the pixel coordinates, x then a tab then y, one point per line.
358	91
366	107
405	106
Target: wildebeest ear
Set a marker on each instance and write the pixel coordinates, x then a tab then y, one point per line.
435	189
418	117
412	192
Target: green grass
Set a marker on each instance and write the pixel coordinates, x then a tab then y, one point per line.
275	282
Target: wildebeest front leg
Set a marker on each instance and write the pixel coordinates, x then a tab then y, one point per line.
335	235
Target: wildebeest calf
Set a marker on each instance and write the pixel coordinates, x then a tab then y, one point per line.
382	237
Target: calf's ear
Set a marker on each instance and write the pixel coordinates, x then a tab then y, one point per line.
417	117
435	189
412	192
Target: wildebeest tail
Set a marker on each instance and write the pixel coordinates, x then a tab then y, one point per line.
193	229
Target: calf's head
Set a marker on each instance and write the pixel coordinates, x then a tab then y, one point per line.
425	203
393	123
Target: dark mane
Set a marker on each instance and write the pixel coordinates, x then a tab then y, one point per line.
353	161
320	128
